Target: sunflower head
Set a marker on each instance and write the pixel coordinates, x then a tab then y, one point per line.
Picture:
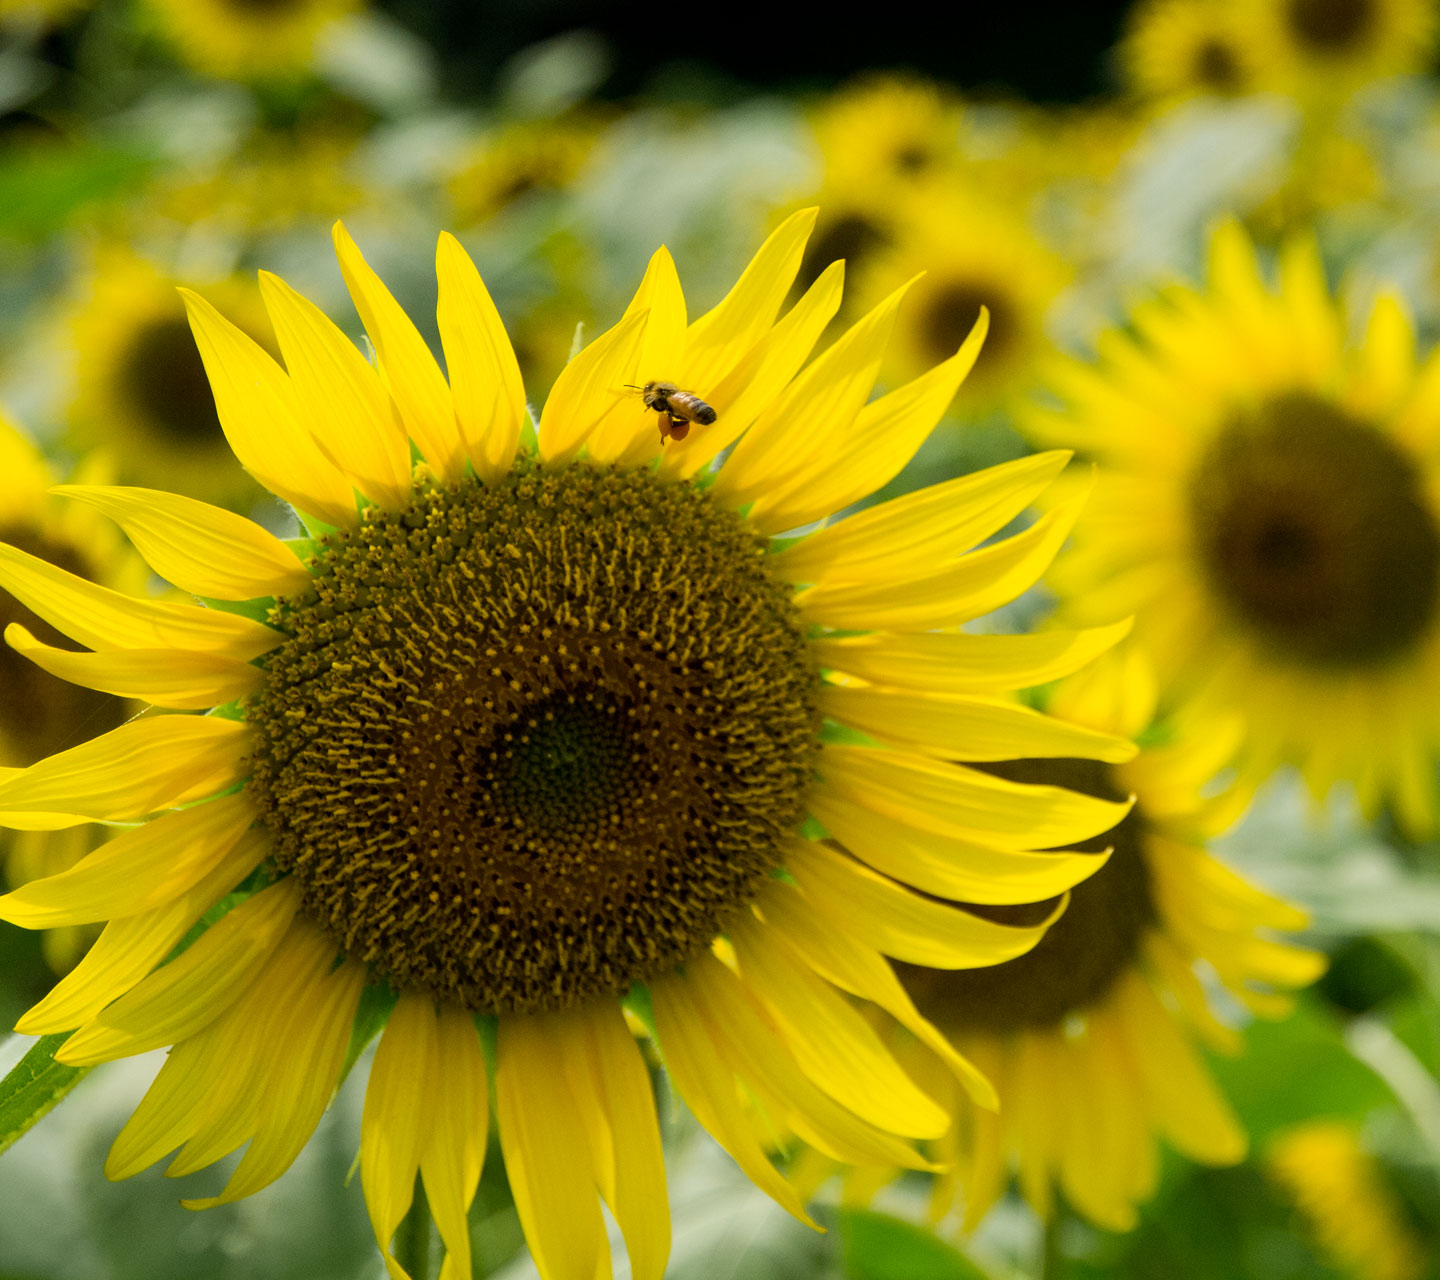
516	162
140	389
1330	44
1280	536
537	727
247	39
1175	49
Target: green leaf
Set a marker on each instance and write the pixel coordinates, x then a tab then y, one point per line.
879	1247
35	1084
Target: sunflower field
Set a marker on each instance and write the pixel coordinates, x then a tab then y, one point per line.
645	648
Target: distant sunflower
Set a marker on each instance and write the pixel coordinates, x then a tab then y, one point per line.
516	161
973	255
39	716
1089	1037
1180	48
527	730
41	12
248	39
1345	1201
890	132
1268	507
140	390
1330	45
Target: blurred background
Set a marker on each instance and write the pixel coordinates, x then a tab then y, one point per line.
1053	165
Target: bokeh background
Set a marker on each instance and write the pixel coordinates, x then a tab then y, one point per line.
1053	165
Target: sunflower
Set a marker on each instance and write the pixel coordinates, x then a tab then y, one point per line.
1345	1202
140	390
888	131
526	738
43	13
248	39
1182	48
516	161
1089	1038
39	717
1325	45
1268	506
973	255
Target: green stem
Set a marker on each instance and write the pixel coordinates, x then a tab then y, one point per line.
412	1240
1051	1259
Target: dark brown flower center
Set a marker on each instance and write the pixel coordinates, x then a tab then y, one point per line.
951	312
1082	954
851	238
1314	530
1216	66
1331	26
536	740
40	715
163	376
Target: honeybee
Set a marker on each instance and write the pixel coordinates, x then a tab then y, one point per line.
677	409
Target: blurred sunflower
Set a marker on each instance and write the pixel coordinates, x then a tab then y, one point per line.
41	12
973	255
1268	506
140	390
1345	1202
248	39
889	132
1180	48
38	716
1330	45
526	731
1089	1037
516	161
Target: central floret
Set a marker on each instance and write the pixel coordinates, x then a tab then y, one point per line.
536	740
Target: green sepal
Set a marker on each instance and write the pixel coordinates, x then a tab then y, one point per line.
371	1014
35	1084
879	1247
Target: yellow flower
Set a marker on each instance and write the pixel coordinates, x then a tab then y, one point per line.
1329	46
1180	48
1345	1202
42	12
525	730
1089	1037
517	161
240	39
972	255
1267	508
140	390
39	716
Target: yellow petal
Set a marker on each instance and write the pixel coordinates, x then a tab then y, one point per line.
629	433
205	550
931	525
454	1156
759	376
639	1199
898	922
745	314
300	1081
136	871
159	762
103	619
967	728
341	397
399	1116
862	971
962	870
960	663
746	1040
129	947
547	1156
177	678
965	803
484	374
972	586
409	370
833	1045
192	990
820	403
708	1086
589	387
262	419
886	434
